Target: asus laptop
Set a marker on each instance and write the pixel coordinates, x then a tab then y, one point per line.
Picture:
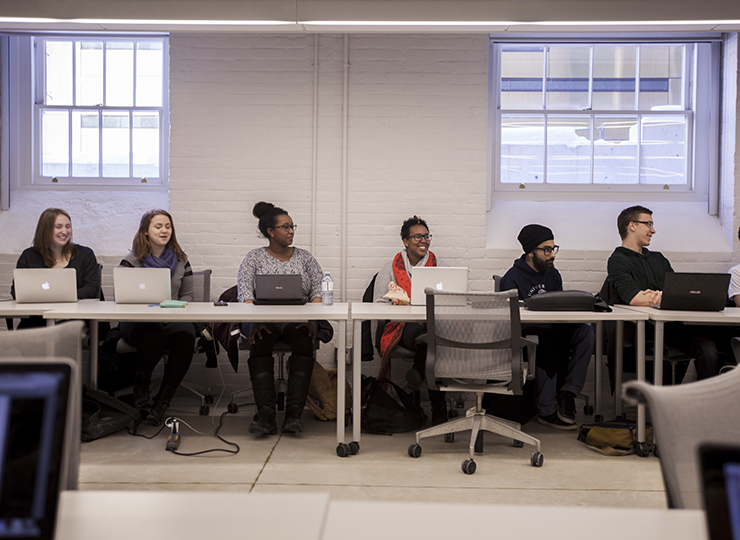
278	290
449	279
695	292
141	285
41	285
38	449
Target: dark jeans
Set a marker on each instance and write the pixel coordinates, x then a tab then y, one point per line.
153	339
295	335
703	343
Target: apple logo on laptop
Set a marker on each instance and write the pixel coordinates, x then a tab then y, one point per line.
142	286
45	286
440	286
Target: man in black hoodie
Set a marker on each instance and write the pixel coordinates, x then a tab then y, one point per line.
565	350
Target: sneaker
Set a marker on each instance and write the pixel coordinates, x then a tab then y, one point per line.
555	422
566	406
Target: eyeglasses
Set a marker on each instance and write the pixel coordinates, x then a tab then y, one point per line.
648	223
287	227
419	237
549	250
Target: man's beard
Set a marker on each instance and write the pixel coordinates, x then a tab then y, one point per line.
542	266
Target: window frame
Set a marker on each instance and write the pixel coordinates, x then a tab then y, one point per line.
702	153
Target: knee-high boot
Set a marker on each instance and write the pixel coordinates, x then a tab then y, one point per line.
299	378
261	371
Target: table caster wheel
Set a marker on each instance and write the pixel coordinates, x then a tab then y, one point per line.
518	444
468	466
655	451
537	459
354	447
232	407
204	410
414	450
599	418
343	450
642	449
208	399
449	437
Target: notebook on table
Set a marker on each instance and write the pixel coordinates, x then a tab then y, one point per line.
448	279
141	285
695	291
278	290
37	398
40	285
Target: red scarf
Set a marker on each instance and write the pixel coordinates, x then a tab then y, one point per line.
394	330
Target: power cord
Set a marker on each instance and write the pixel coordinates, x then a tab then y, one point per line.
173	440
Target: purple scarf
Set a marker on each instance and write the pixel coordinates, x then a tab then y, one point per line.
167	260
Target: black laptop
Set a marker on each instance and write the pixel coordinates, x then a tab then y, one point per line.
720	482
695	291
278	290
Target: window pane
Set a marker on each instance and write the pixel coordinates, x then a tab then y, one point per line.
615	76
146	144
567	77
521	77
119	74
58	73
149	65
116	144
615	150
89	81
661	77
54	143
663	157
85	143
568	150
522	149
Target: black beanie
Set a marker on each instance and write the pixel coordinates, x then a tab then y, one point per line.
532	236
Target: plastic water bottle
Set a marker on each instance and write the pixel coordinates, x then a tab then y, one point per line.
327	290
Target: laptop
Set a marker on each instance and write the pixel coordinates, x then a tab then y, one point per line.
441	278
278	290
720	485
37	443
41	285
141	285
695	292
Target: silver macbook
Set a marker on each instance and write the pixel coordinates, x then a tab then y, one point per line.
39	285
449	279
141	285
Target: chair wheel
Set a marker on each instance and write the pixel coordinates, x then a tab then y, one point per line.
281	401
414	450
517	444
232	407
655	451
599	418
204	410
537	459
453	413
354	447
588	410
468	466
208	399
642	449
343	450
449	437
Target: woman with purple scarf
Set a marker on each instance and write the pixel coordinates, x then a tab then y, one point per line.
155	246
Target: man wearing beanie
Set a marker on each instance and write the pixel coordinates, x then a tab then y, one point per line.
565	350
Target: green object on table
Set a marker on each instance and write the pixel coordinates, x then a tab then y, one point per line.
173	303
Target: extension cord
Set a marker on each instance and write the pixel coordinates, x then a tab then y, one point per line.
173	439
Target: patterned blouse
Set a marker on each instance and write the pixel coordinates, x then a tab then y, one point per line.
259	261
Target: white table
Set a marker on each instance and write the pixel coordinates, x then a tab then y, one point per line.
443	521
169	515
96	311
381	311
12	309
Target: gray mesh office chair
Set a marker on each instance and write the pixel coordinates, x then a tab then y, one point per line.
475	345
59	341
683	418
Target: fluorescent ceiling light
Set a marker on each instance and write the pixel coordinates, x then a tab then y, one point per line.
407	23
153	22
516	23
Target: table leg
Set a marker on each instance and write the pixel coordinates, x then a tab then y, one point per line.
641	377
93	382
619	361
341	379
658	368
356	381
598	353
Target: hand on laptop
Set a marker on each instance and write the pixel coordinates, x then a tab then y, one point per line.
653	297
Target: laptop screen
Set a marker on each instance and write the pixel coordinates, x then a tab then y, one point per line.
720	482
34	407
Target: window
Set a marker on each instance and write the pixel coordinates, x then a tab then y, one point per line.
99	114
604	117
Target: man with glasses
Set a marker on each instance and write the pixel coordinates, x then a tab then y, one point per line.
636	276
564	350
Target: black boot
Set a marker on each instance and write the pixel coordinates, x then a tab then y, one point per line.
439	407
299	378
164	397
261	371
142	397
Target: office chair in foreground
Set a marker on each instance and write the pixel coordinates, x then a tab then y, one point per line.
475	345
683	418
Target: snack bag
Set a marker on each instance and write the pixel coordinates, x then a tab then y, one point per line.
397	295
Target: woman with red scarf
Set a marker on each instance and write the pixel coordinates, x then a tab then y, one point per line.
395	277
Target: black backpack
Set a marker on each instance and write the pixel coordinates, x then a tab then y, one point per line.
382	414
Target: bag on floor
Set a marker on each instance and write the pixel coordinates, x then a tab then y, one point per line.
383	414
322	393
615	438
103	415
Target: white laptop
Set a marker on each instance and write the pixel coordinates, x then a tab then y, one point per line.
40	285
141	285
449	279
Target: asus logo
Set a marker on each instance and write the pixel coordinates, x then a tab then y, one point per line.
694	292
278	288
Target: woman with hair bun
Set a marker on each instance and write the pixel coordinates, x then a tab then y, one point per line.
279	257
53	248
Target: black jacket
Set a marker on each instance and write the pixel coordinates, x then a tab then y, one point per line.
528	281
